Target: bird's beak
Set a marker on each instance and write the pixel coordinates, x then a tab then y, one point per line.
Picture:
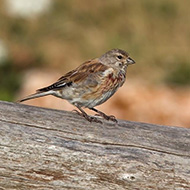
130	61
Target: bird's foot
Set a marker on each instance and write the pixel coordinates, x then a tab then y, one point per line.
87	117
107	117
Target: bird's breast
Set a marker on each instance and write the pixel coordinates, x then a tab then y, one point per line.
114	81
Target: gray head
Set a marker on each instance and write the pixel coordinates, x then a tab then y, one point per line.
117	58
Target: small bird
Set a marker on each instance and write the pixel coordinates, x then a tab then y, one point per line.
90	84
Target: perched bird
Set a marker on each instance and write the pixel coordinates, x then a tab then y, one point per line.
90	84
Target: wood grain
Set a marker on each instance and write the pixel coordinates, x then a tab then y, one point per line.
50	149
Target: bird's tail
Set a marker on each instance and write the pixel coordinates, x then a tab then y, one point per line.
36	95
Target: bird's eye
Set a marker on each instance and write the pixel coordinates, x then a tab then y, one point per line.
119	57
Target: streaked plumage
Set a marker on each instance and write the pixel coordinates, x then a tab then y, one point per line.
92	83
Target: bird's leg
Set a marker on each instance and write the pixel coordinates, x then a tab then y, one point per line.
86	116
107	117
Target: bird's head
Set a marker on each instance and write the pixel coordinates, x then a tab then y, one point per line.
117	58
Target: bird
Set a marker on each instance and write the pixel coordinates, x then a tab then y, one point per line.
90	84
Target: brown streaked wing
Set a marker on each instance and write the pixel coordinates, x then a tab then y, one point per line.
88	68
77	75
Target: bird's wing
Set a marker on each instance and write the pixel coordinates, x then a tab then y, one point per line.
87	71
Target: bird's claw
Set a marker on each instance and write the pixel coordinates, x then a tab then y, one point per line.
87	117
108	117
93	119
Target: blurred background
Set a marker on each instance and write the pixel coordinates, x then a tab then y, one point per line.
40	40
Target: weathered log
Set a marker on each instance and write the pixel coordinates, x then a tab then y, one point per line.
52	149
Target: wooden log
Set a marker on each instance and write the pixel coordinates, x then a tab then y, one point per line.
45	149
